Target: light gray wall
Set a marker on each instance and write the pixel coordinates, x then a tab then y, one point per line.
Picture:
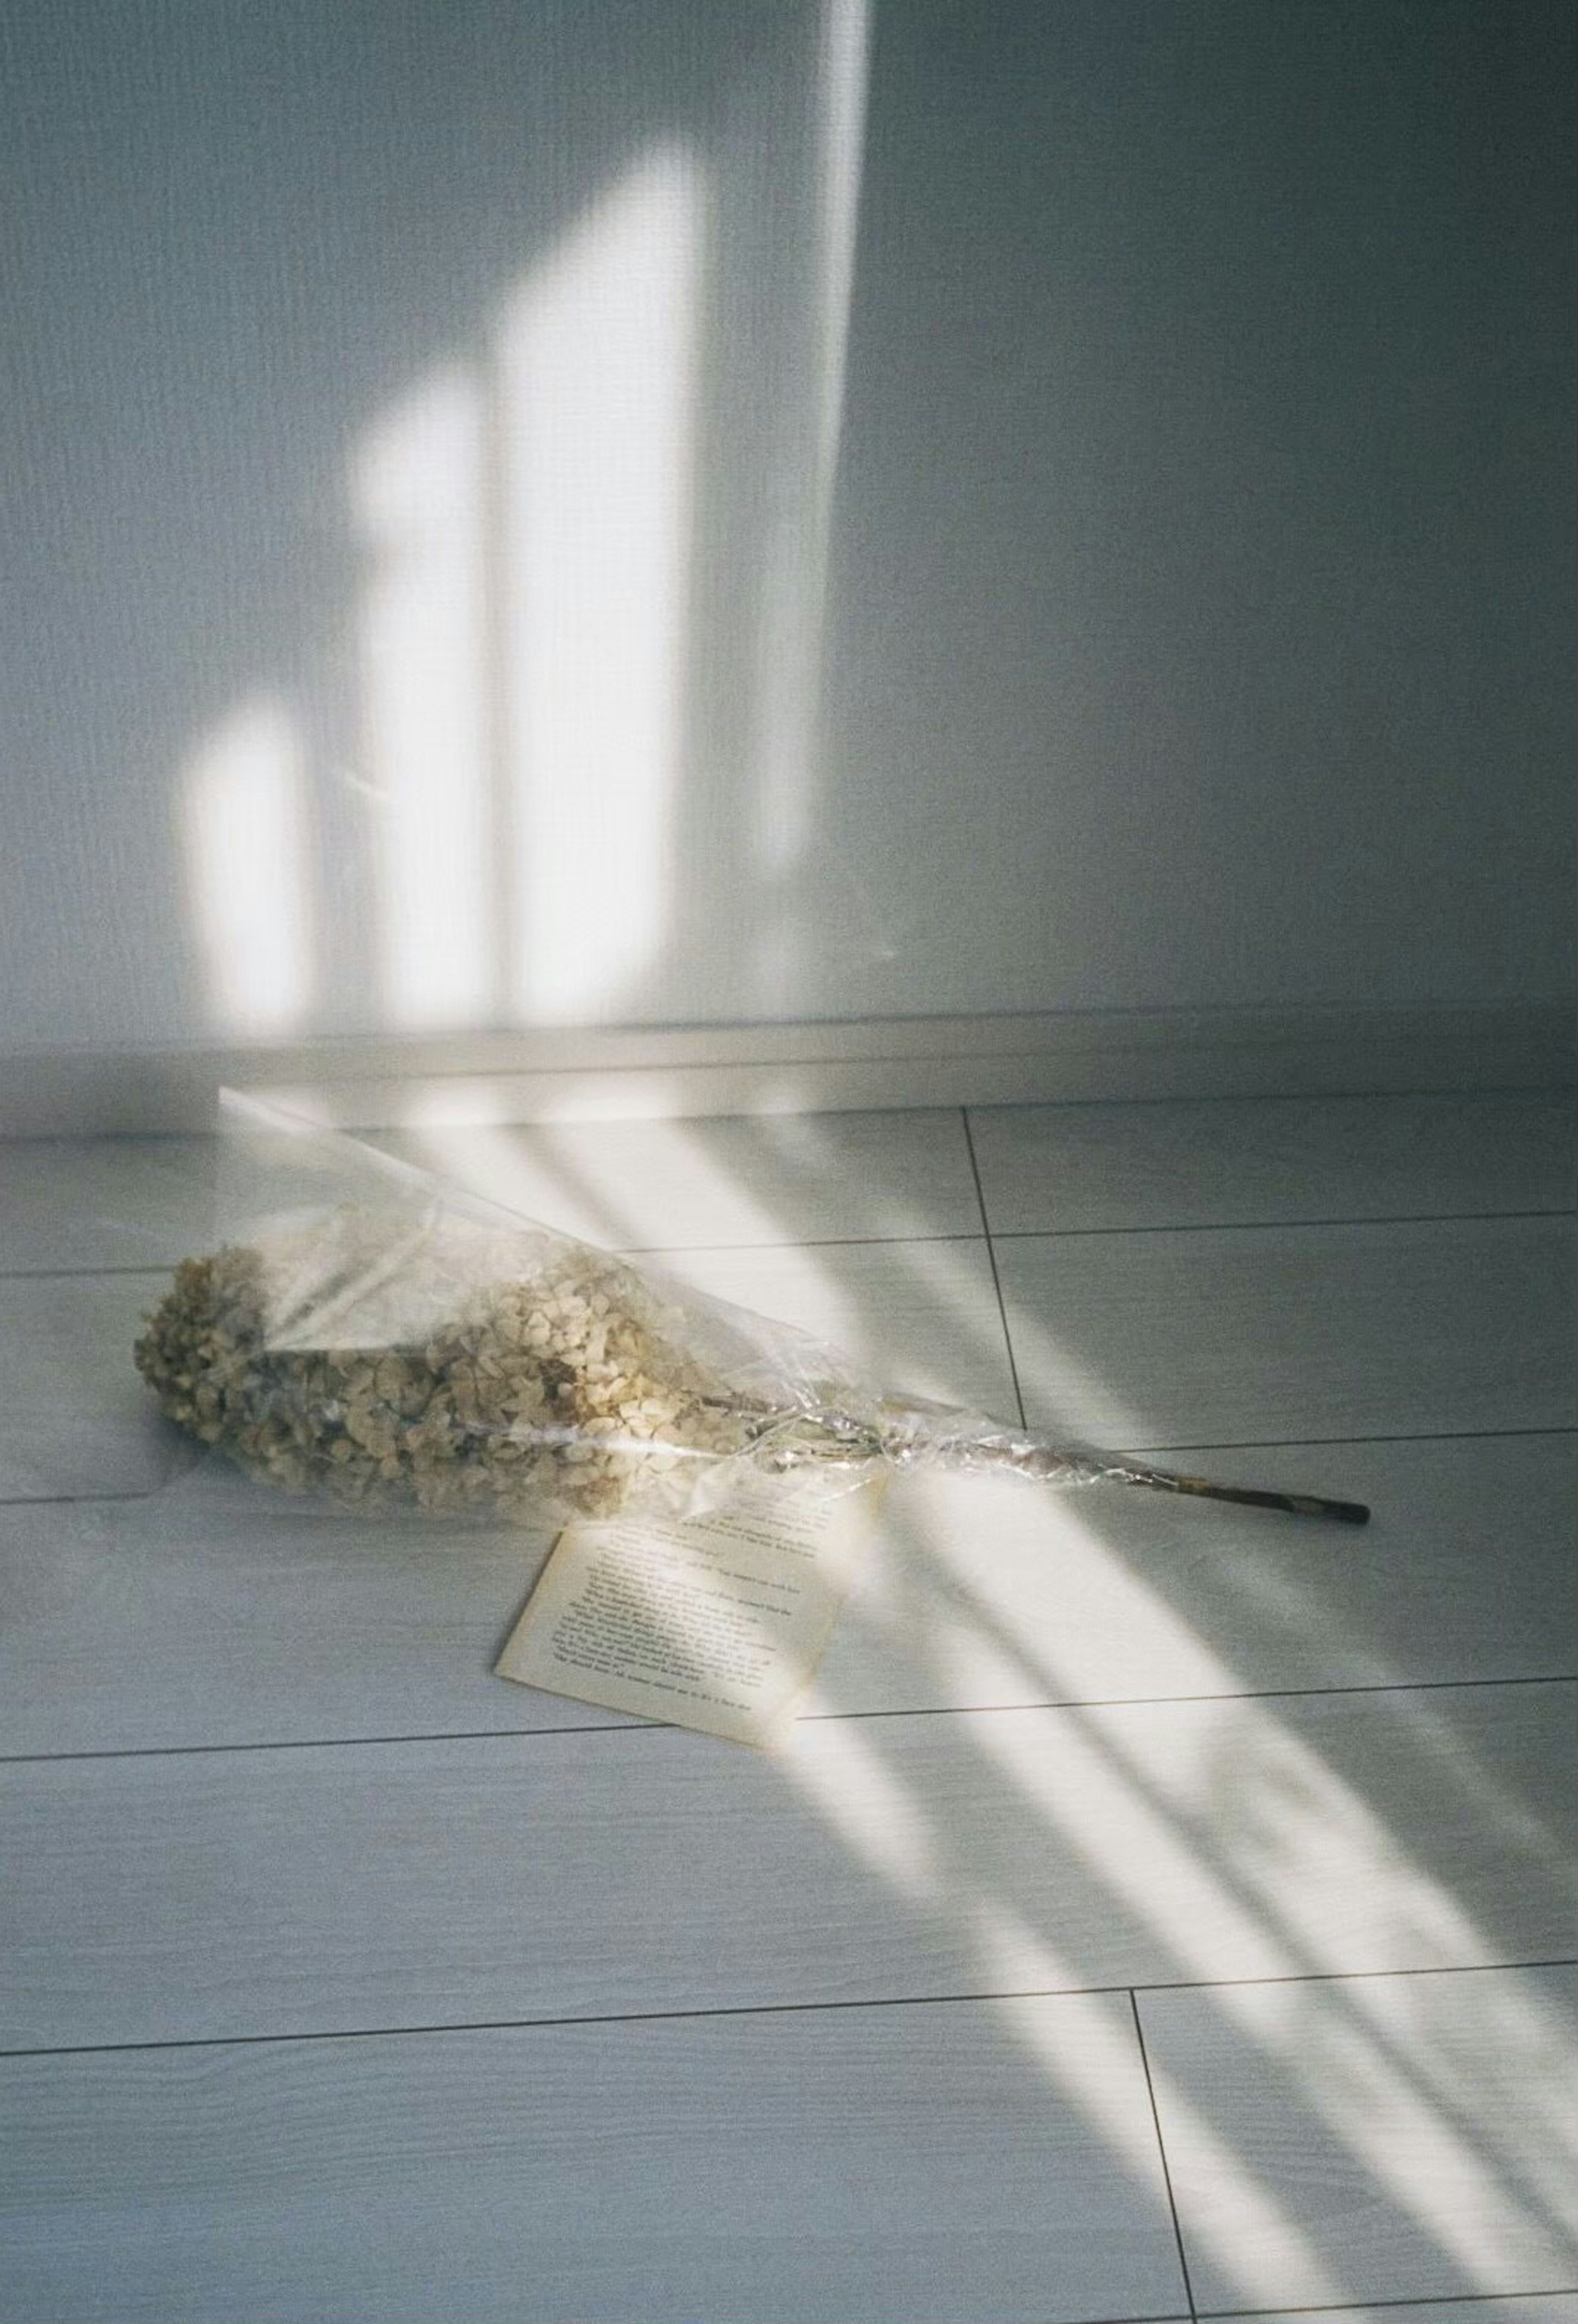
1203	577
1196	578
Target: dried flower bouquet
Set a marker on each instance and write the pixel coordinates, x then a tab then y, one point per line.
411	1354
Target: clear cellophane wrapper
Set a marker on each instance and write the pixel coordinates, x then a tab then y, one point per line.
362	1330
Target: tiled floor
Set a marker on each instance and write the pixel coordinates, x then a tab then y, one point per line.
1158	1916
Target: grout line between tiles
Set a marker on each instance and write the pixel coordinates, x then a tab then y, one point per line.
1403	1436
774	2009
1277	1226
1166	2315
342	1742
1161	2149
620	1250
882	1243
1241	1695
1414	2299
809	1718
48	1273
1018	1394
76	1501
1346	1976
1483	1092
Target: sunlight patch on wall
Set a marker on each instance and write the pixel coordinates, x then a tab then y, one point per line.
418	497
245	845
789	679
598	358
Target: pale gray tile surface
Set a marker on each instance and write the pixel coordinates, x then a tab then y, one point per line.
1288	1334
75	1417
943	2165
1373	2138
221	1612
214	1894
983	1593
218	1612
774	1178
1246	1161
80	1203
104	1201
769	1179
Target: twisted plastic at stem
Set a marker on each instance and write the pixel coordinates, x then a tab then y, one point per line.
915	1437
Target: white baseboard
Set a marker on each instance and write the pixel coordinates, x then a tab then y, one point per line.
1007	1060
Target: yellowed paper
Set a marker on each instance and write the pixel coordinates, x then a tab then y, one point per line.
715	1621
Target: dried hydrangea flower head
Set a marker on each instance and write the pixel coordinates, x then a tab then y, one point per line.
457	1367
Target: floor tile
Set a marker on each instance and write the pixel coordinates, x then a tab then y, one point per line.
104	1201
209	1895
1290	1334
1371	2139
963	2164
1254	1160
215	1611
983	1593
76	1417
767	1178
